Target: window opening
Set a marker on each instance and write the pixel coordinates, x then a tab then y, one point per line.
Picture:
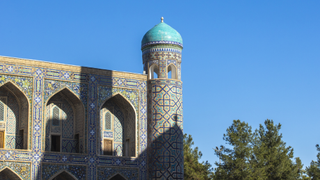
108	121
55	116
107	150
117	177
21	137
1	111
155	75
76	137
55	143
172	72
1	139
127	147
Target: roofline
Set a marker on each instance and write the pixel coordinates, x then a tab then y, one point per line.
73	68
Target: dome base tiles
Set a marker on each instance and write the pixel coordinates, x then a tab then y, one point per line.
62	121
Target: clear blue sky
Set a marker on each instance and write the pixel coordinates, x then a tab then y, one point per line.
247	60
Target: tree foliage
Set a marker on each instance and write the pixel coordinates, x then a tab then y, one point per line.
313	170
258	155
193	169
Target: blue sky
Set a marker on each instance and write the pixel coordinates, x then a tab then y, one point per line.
247	60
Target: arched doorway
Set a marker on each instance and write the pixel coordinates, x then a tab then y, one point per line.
65	119
117	177
64	176
14	113
118	127
7	174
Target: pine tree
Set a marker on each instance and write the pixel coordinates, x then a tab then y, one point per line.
261	155
193	169
313	170
235	161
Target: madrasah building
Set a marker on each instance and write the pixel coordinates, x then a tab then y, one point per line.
64	122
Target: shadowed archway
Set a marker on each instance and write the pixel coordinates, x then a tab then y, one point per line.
63	176
7	174
14	115
117	177
65	123
118	127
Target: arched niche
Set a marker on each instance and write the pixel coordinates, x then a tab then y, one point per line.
63	175
117	177
172	72
8	174
64	123
14	117
153	71
118	127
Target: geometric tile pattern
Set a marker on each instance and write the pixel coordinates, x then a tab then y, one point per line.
165	123
39	83
22	169
49	170
127	173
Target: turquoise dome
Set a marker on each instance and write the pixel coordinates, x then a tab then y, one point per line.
162	33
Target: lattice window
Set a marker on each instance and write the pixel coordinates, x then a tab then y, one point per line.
55	116
2	108
1	111
108	121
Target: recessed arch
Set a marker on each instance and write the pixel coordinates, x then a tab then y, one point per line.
8	174
172	70
65	128
118	177
15	110
121	139
63	175
153	71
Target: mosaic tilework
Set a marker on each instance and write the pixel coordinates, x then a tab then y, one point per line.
161	56
165	123
108	172
69	145
162	42
49	170
80	89
23	83
41	92
22	169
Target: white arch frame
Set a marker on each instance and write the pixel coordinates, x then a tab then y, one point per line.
136	123
174	71
154	68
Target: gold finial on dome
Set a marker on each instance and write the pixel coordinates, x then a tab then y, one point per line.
162	19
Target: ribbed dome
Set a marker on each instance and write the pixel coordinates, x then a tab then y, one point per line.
162	33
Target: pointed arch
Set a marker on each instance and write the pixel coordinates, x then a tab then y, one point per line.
153	71
7	173
63	175
16	108
69	135
173	69
118	177
121	139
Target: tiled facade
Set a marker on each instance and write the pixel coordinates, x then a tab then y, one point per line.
46	85
57	118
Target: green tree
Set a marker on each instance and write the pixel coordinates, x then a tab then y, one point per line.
193	169
313	170
271	158
235	161
261	155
